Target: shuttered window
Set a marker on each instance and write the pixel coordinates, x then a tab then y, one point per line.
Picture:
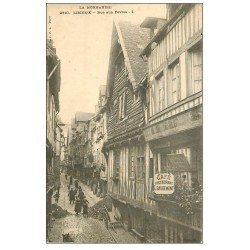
196	70
175	73
137	161
140	161
157	94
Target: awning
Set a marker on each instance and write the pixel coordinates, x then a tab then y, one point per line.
179	163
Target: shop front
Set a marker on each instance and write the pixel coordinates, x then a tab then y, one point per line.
176	145
176	148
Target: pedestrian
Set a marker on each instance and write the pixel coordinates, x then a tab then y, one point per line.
76	183
66	176
98	189
58	187
71	196
56	196
75	191
78	189
70	180
68	187
80	194
85	208
78	206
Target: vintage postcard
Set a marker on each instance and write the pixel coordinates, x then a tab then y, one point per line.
124	129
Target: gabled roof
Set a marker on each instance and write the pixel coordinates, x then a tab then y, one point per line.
83	116
133	39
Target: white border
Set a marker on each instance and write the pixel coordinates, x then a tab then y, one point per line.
226	126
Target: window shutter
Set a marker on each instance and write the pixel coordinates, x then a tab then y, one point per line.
196	71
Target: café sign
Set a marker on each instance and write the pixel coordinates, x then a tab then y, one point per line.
164	183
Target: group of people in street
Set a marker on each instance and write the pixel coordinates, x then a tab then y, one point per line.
77	197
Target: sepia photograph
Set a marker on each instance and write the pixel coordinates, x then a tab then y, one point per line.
124	123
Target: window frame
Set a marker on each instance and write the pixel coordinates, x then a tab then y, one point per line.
193	51
140	161
160	86
122	105
175	67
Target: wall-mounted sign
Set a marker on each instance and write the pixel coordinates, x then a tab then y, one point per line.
164	183
184	121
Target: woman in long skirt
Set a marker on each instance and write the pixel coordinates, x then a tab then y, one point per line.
78	206
85	208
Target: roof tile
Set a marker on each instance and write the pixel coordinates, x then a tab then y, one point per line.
135	39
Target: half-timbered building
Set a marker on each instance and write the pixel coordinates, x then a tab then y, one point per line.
125	145
173	132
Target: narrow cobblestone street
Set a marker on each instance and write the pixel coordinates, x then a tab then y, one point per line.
81	229
64	200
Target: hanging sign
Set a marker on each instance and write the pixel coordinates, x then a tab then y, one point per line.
164	183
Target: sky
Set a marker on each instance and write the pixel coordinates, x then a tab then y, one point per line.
82	43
